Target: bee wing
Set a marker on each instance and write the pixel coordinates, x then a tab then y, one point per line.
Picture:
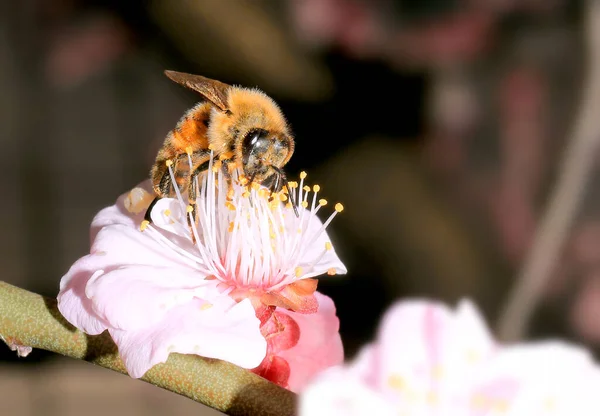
211	89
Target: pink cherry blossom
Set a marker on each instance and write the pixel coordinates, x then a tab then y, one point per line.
431	360
238	285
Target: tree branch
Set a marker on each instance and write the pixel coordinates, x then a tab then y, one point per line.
32	320
553	229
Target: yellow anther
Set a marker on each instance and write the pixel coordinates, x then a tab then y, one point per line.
437	372
500	406
298	271
211	147
396	382
479	401
189	209
244	180
206	306
306	188
230	193
293	184
169	163
144	225
272	235
245	194
550	403
230	229
316	188
339	207
432	398
167	212
328	246
283	197
331	272
255	186
230	206
303	175
472	356
304	204
322	202
226	155
288	205
262	192
189	150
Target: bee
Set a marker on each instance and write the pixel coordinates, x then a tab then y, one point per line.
243	127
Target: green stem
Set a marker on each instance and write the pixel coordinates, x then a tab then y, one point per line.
30	319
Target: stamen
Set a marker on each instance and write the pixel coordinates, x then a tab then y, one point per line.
255	245
206	306
189	150
169	164
331	272
144	225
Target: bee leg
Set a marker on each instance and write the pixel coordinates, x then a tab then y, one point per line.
281	176
192	191
147	216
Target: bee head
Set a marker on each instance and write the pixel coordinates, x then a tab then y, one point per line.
263	150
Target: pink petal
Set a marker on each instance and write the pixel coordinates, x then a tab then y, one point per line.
319	346
118	245
115	246
432	338
548	372
134	297
314	251
337	392
74	305
225	331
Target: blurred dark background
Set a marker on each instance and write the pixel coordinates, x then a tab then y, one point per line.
438	124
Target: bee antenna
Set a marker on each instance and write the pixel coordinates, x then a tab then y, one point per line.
249	185
283	178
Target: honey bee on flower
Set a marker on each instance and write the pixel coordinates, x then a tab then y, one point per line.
234	283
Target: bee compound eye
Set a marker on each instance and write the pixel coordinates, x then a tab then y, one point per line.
255	144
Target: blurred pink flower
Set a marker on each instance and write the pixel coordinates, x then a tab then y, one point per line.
429	360
236	286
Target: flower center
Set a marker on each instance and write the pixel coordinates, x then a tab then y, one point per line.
241	233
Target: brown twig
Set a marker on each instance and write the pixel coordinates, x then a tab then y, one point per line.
28	319
563	205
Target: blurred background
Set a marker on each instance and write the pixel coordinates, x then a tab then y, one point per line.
439	124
